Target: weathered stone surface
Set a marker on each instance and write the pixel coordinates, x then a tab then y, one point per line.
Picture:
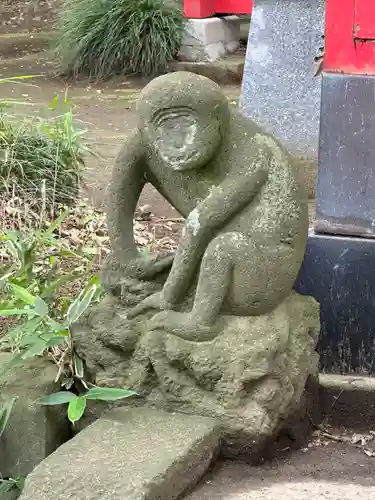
129	454
251	377
33	431
280	91
215	329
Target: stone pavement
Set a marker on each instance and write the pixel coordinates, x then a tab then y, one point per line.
335	472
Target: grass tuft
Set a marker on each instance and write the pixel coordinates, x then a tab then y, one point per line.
41	160
101	38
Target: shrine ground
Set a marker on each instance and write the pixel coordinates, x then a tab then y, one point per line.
326	470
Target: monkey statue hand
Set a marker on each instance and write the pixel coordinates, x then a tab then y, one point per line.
154	301
114	276
149	267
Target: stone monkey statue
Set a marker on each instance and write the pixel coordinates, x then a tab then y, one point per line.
246	214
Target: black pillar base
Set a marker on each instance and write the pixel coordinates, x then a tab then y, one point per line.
339	272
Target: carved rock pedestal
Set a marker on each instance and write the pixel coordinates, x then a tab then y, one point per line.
258	376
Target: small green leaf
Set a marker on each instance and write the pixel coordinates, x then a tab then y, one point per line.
78	366
24	294
109	393
5	412
56	223
58	398
76	409
16	312
37	346
54	102
41	308
79	306
56	341
6	485
15	361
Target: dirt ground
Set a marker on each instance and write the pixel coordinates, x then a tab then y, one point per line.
105	111
23	16
334	472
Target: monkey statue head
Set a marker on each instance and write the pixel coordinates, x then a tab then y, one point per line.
183	118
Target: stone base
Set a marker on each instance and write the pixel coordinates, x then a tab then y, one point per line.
132	454
251	377
339	272
33	431
210	39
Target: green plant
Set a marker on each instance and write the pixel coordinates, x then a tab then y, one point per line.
100	38
5	411
42	158
39	329
10	484
77	404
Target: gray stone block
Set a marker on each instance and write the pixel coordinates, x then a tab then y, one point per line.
128	454
279	90
33	431
209	39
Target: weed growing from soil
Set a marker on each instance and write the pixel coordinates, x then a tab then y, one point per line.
41	159
100	38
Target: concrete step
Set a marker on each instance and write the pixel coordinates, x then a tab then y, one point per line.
128	454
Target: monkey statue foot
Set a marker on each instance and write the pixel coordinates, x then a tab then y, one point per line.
182	325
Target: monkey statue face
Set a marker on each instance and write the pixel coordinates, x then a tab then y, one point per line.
182	138
182	118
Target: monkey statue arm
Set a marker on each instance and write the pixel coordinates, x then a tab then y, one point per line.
222	205
128	179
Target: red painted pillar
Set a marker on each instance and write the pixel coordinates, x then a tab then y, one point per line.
199	9
350	37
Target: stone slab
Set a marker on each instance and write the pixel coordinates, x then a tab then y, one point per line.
228	70
345	198
339	272
210	39
128	454
335	472
33	431
279	89
212	30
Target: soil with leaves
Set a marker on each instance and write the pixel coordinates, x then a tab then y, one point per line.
19	16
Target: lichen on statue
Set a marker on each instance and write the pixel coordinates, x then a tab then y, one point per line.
215	329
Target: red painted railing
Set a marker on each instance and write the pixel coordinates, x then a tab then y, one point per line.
198	9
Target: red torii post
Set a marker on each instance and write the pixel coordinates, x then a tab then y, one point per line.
199	9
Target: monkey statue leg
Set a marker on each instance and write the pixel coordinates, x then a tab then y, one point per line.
214	284
238	276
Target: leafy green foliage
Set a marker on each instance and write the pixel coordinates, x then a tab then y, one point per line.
7	485
77	404
40	329
5	411
41	159
31	294
100	38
